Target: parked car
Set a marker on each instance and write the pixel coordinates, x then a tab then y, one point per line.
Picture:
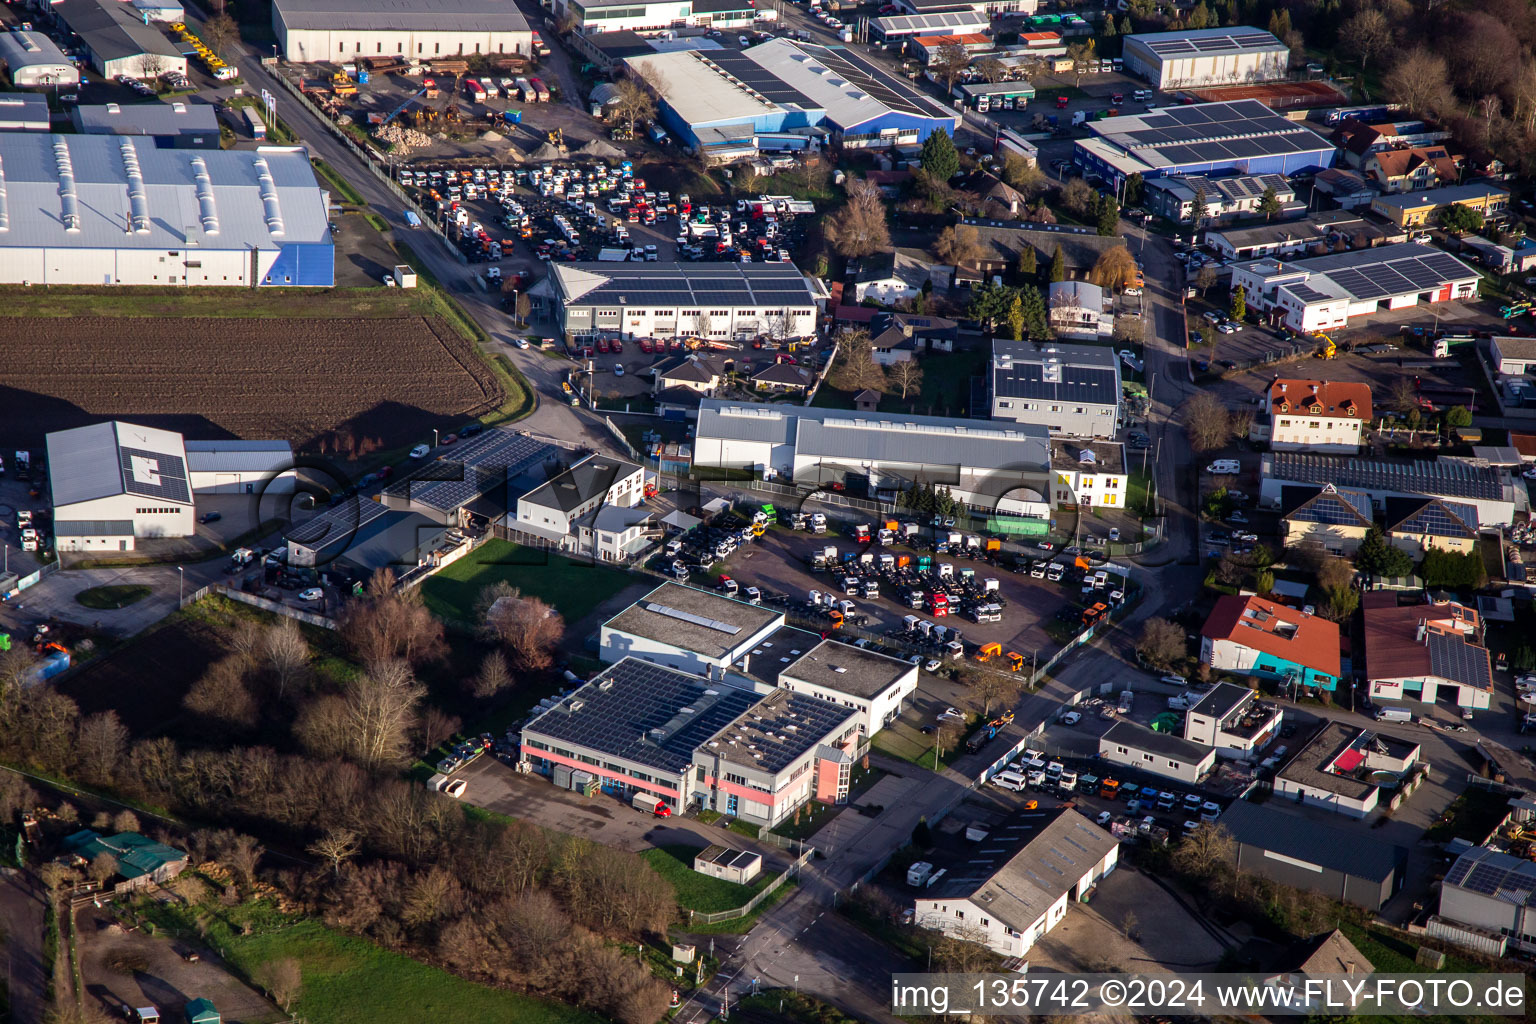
210	517
421	451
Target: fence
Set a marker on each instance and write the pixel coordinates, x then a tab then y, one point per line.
275	607
752	904
369	158
619	435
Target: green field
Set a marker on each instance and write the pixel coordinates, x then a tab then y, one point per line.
700	892
573	588
946	387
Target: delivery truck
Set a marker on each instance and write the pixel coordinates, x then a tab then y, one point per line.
654	806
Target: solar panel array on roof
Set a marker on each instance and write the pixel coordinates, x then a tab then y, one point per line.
477	467
1448	478
155	475
865	77
669	284
1440	519
1335	508
1235	42
756	78
340	521
1492	873
1452	657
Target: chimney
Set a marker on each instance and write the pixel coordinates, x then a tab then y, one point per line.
1282	387
1314	389
1423	633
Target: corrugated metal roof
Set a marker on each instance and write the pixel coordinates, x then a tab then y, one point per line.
20	50
238	456
178	118
93	528
110	31
262	198
92	462
421	15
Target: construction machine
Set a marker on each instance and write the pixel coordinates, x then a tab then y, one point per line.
1329	349
556	137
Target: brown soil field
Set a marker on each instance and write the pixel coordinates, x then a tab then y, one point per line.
345	385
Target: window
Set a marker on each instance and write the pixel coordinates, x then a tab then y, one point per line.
341	47
1149	758
1055	408
378	47
1173	764
437	47
960	914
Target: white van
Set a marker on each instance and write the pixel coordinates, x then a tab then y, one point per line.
1009	780
1394	715
1179	703
1223	466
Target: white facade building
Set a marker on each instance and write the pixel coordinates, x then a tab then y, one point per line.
343	30
1490	491
240	467
1326	292
873	685
1159	753
589	507
1232	720
1314	415
114	483
34	61
105	209
594	16
693	631
1338	769
1206	57
1060	855
1090	473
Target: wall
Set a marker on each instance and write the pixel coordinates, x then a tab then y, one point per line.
1314	878
1156	764
339	44
1313	796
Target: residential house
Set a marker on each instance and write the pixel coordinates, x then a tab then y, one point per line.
1233	720
1417	525
596	490
1257	637
700	373
897	337
1298	850
1003	242
1010	895
1301	969
1493	892
1417	209
141	862
895	275
1347	189
1342	769
989	196
1159	753
1176	198
1089	473
1489	489
1426	652
1411	169
1358	141
1077	313
784	378
1073	390
1313	415
1325	517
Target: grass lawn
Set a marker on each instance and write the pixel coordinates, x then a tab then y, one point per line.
1140	487
120	596
700	892
903	741
573	588
946	388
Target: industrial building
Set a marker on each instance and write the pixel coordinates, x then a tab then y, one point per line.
343	30
1068	389
98	209
1233	720
1426	652
990	8
783	95
696	743
240	467
1157	753
594	16
23	112
1241	136
1414	209
180	124
728	301
33	61
1494	893
1017	885
875	685
1488	490
987	465
903	26
1341	769
114	483
361	537
1345	864
1326	292
1318	232
479	484
695	631
1201	58
117	39
1257	637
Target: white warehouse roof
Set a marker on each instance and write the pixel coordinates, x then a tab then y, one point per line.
120	192
1207	42
107	459
24	52
236	456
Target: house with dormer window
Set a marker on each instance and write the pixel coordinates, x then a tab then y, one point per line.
1313	416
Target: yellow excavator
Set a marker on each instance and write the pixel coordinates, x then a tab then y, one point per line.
1329	349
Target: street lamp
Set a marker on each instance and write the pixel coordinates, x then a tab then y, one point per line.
434	437
181	600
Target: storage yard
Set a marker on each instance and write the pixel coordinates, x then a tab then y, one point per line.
292	378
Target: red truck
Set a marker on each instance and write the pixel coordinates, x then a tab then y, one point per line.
654	806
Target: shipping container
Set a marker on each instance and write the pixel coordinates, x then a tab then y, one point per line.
253	121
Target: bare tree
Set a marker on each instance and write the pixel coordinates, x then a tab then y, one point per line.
152	66
102	867
286	653
15	796
948	63
437	727
101	747
1079	197
906	377
219	31
528	627
860	227
222	694
948	734
1204	849
283	980
337	845
1420	81
1161	643
964	951
957	244
1207	422
1205	279
1366	36
856	368
386	623
1081	53
381	706
995	689
991	69
1023	176
634	103
494	676
241	854
125	821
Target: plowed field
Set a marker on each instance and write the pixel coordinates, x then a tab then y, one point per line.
333	385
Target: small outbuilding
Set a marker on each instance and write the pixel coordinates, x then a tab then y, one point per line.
202	1011
729	865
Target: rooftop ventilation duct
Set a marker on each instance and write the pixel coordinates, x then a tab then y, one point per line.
207	211
268	190
69	202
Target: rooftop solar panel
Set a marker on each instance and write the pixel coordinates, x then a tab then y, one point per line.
155	475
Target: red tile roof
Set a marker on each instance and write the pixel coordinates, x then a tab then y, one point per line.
969	39
1333	398
1252	621
1039	38
1393	649
1525	444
